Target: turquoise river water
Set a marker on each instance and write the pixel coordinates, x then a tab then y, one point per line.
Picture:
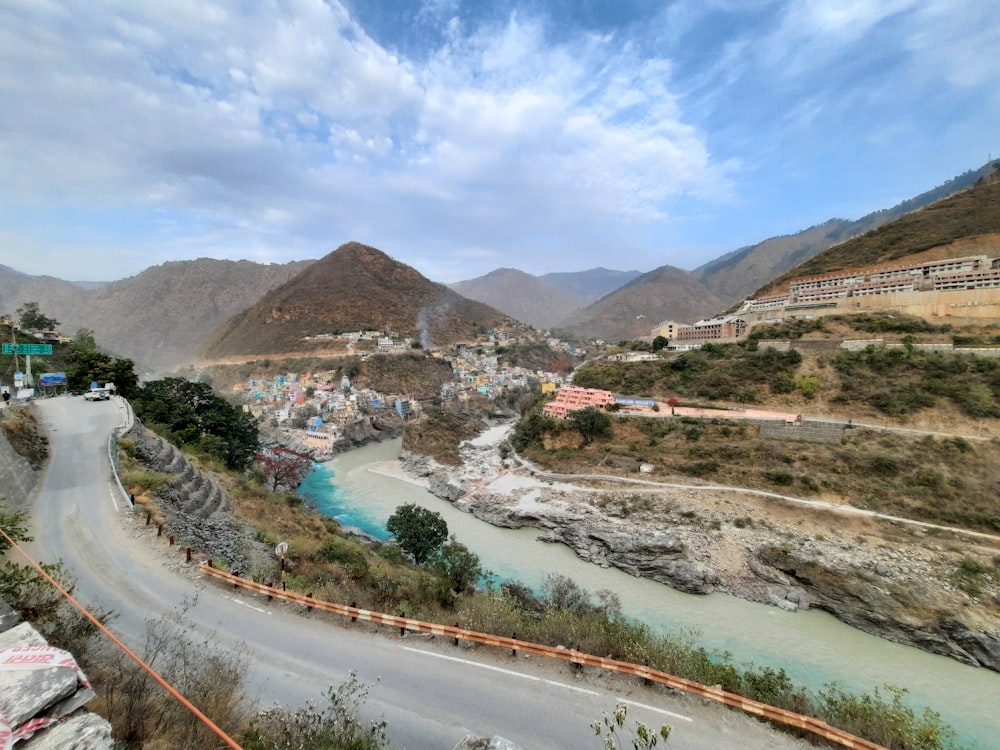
812	647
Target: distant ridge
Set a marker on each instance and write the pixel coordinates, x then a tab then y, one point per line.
355	287
665	293
159	317
520	295
589	286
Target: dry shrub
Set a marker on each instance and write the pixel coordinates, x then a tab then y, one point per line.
140	711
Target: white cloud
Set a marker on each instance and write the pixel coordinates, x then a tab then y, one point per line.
286	125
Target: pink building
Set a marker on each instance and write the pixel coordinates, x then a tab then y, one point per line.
570	398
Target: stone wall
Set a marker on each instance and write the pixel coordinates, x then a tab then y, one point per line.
958	306
17	478
807	431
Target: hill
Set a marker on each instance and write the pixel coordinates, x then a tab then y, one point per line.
966	223
57	298
521	296
355	287
590	286
665	293
159	317
737	274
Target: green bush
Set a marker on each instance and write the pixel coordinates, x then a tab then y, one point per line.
808	386
346	554
885	720
700	468
782	478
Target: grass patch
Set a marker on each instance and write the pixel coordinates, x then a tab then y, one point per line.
143	482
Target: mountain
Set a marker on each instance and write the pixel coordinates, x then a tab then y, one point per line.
159	317
355	287
966	223
521	295
736	275
162	316
57	298
590	286
665	293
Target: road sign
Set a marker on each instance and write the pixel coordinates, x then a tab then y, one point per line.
28	348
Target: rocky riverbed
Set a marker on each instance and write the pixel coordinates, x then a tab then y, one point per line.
933	589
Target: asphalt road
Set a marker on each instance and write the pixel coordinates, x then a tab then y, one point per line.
431	693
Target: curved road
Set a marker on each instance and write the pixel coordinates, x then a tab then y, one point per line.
430	693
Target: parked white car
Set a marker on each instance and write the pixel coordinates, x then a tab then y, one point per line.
97	394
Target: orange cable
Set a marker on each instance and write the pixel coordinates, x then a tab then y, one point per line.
100	626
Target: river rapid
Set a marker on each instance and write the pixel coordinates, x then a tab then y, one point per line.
812	647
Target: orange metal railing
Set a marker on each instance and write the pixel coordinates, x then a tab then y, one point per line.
755	708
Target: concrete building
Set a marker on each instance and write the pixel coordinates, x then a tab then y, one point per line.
571	398
965	287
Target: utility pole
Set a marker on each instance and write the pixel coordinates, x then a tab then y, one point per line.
13	341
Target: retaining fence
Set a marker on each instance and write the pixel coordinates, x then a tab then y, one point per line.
755	708
127	423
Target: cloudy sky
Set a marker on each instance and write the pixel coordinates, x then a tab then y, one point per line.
463	136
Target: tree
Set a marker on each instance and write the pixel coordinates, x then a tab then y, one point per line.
419	531
192	411
459	565
83	340
529	431
660	342
591	422
284	467
89	365
31	317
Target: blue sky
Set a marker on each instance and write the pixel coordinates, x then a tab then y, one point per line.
460	137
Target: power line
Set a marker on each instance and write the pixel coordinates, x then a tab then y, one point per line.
132	655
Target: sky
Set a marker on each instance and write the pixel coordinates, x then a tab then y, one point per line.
460	137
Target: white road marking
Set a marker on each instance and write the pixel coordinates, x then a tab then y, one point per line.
524	676
237	600
664	711
510	672
113	501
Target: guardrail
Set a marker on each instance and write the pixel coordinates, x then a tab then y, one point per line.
755	708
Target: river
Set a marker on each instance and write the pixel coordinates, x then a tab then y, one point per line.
812	647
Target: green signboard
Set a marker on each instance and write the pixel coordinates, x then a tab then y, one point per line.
28	348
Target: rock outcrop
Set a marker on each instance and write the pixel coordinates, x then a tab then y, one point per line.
52	696
17	472
912	613
889	580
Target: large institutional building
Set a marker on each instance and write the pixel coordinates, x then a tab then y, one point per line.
967	287
571	398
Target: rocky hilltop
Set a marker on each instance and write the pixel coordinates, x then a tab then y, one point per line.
356	287
891	579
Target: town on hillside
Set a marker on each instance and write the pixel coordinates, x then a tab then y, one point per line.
966	288
314	410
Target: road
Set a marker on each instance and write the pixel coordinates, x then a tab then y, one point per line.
431	693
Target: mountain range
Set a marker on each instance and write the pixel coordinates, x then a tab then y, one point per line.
172	314
671	293
542	301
